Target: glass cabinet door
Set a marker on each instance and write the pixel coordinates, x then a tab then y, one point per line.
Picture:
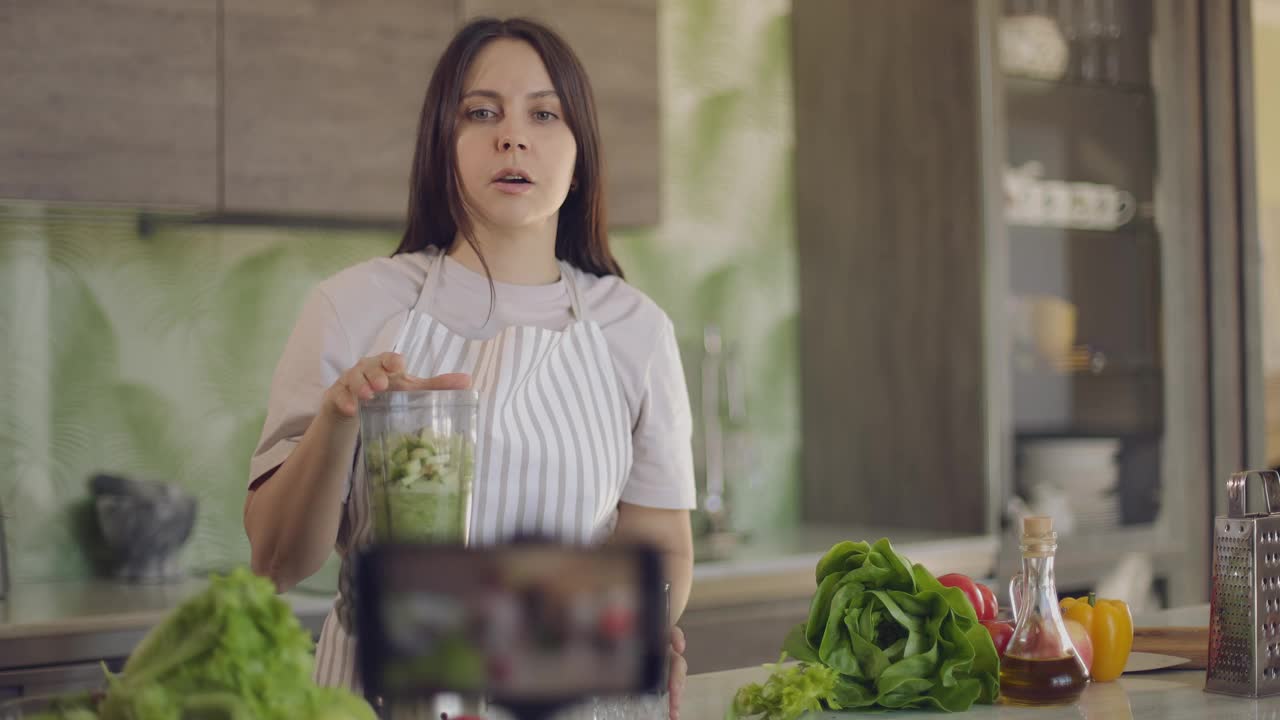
1084	288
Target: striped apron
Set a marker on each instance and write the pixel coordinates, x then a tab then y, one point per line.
553	441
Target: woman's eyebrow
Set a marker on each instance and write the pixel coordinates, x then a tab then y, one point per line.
494	95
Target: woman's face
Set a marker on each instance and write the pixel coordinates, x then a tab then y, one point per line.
516	153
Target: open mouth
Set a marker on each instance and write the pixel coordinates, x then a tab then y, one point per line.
512	177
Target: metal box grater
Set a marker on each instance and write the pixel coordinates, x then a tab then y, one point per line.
1244	615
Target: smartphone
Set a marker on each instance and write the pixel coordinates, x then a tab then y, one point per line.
523	624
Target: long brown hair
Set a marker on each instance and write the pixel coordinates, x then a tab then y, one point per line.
437	213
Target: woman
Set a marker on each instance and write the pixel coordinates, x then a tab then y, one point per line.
504	281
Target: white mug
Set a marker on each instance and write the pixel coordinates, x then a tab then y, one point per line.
1033	45
1031	200
1117	207
1100	207
1057	203
1024	198
1086	201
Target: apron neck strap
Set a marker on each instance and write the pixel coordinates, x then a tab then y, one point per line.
575	297
435	263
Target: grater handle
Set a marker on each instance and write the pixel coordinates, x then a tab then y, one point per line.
1237	492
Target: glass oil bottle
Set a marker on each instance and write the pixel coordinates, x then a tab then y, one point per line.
1041	666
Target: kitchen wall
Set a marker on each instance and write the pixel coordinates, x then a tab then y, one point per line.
147	349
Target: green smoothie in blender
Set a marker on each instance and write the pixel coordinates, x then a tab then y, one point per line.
420	486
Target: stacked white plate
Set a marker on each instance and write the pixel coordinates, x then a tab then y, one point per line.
1084	470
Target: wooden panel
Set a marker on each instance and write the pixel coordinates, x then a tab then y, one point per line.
322	102
889	199
1251	275
1191	643
113	101
742	635
1224	187
617	41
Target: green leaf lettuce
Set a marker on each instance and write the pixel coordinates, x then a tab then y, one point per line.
881	633
234	651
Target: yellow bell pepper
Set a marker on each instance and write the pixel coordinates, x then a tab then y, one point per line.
1110	627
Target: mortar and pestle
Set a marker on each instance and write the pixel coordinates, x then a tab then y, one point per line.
142	525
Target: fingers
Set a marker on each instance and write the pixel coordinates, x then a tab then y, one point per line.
675	686
343	400
391	362
393	368
365	380
678	672
361	384
380	373
380	370
376	377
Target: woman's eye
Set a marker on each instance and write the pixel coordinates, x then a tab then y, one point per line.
544	116
481	114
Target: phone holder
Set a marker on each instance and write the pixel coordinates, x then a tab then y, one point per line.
533	627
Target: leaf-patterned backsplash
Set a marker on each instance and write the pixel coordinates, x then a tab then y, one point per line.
148	351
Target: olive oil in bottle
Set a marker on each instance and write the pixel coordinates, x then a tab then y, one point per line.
1040	666
1042	681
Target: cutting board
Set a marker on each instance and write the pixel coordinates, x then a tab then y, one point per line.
1191	643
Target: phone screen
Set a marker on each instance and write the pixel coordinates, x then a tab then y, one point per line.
524	623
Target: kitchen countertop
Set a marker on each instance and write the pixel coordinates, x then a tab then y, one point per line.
99	606
1167	695
65	622
61	622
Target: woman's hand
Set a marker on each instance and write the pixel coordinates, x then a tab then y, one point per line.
380	373
679	671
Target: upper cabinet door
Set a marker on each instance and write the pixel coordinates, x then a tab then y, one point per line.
617	41
322	100
112	101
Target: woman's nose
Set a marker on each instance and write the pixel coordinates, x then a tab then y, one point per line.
509	141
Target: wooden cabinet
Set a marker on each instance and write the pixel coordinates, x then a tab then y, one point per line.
617	41
61	679
889	227
112	101
740	635
322	101
1017	277
292	107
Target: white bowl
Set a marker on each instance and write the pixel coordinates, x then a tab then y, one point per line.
1071	451
1081	480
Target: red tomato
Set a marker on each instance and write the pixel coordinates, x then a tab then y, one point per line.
970	588
992	605
1001	633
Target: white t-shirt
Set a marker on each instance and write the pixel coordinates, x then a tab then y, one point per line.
343	315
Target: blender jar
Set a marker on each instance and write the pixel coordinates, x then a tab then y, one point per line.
419	458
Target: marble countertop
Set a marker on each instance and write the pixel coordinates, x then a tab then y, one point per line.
58	622
1169	695
69	622
1166	695
58	608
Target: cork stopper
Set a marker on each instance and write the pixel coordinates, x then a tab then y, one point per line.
1038	537
1037	526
